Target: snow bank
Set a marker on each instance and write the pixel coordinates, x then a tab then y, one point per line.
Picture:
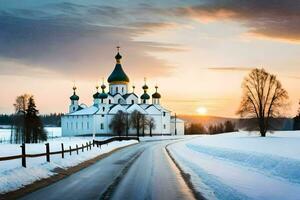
242	165
13	176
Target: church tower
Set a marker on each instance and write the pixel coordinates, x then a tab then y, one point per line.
74	101
118	80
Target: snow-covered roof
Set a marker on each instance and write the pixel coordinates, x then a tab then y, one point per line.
86	111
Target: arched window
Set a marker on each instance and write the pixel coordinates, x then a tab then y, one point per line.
119	101
117	89
103	108
122	90
109	101
132	101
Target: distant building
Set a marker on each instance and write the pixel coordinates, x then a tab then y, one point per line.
95	119
177	126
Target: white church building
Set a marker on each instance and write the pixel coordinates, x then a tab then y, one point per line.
95	119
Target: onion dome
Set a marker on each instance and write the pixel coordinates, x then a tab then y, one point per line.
156	95
145	96
103	95
118	75
74	97
103	87
96	95
145	87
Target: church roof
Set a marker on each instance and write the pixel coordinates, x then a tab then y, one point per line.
129	94
118	74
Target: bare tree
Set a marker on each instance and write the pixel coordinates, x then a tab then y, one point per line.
118	123
136	121
263	99
150	123
18	126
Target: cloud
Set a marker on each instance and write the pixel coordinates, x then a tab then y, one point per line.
230	68
268	18
74	40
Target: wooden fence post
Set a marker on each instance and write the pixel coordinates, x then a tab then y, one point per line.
82	148
93	143
90	145
62	151
47	152
87	146
77	149
23	155
70	150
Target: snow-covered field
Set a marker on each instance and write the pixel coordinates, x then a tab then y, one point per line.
5	132
14	176
242	166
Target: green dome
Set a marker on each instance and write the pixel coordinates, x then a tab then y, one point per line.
118	74
145	96
103	95
74	97
96	95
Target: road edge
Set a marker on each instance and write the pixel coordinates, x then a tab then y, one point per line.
186	176
60	174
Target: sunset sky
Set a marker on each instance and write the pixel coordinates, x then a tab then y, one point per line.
197	52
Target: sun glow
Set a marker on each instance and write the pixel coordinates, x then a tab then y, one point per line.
201	110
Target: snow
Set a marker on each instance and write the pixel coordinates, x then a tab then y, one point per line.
240	165
5	132
14	176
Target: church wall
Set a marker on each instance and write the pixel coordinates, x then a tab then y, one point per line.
132	98
179	127
118	88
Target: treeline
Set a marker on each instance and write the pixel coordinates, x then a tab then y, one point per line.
52	119
198	128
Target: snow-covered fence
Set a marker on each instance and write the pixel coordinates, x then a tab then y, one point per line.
87	146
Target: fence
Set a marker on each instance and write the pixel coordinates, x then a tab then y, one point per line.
47	154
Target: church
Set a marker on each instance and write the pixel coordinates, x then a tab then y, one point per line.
95	119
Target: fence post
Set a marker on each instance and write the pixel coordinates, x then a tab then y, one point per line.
90	145
93	143
23	155
77	149
62	151
70	150
87	146
47	152
82	148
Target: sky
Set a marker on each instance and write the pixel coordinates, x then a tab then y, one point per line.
197	52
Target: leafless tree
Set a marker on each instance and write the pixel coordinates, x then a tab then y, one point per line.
150	123
118	123
263	98
136	121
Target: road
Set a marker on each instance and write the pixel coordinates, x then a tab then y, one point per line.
142	171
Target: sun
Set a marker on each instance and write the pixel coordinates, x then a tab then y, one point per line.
202	110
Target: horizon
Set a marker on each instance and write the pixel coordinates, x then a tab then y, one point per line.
196	52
